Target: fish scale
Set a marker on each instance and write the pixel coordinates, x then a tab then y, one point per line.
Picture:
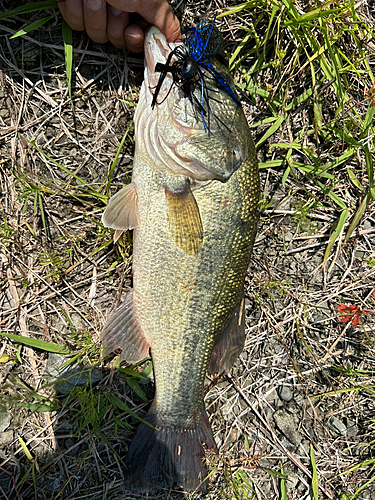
194	231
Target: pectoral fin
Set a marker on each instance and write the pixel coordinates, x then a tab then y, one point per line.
230	344
122	210
184	220
122	331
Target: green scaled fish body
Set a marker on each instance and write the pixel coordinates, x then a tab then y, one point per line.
193	203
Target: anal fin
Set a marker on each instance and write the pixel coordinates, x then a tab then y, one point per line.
184	220
121	331
230	343
122	210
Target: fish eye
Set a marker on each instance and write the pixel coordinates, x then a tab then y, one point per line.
237	158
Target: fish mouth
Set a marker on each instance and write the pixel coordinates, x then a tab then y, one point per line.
156	51
171	147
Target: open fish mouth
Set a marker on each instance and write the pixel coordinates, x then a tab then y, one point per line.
173	133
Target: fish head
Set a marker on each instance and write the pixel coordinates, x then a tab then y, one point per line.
203	137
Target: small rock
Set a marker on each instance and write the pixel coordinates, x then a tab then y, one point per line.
351	428
288	426
337	426
6	438
66	378
292	480
288	237
285	393
5	420
359	254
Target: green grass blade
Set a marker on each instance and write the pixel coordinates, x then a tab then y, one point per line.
37	344
314	480
40	407
271	130
41	207
25	449
357	466
332	195
271	164
358	216
369	118
353	179
68	48
313	14
29	7
369	165
133	384
124	407
67	171
238	50
114	163
283	492
336	234
362	488
33	26
237	9
368	388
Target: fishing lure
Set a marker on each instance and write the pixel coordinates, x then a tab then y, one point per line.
191	69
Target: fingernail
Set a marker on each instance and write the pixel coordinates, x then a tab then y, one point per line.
116	12
134	40
94	4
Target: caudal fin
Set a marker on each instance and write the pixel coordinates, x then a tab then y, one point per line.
159	457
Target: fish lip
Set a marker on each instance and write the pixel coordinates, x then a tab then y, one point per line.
156	50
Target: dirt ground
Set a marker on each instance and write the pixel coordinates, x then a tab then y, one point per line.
302	390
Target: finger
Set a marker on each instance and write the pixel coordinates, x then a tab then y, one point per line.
135	38
116	25
72	12
156	12
95	17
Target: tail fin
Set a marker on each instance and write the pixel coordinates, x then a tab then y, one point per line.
159	457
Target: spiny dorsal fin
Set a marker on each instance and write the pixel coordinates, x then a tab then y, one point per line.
122	210
122	331
184	220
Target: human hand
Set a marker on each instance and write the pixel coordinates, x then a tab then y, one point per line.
109	20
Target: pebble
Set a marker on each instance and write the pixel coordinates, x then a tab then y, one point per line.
6	438
288	426
337	426
71	376
5	420
351	428
292	479
285	393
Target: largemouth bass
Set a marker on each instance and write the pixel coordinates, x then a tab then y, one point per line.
193	203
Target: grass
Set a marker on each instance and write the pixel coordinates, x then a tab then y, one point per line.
305	77
311	50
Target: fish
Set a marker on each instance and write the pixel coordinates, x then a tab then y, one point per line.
193	205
